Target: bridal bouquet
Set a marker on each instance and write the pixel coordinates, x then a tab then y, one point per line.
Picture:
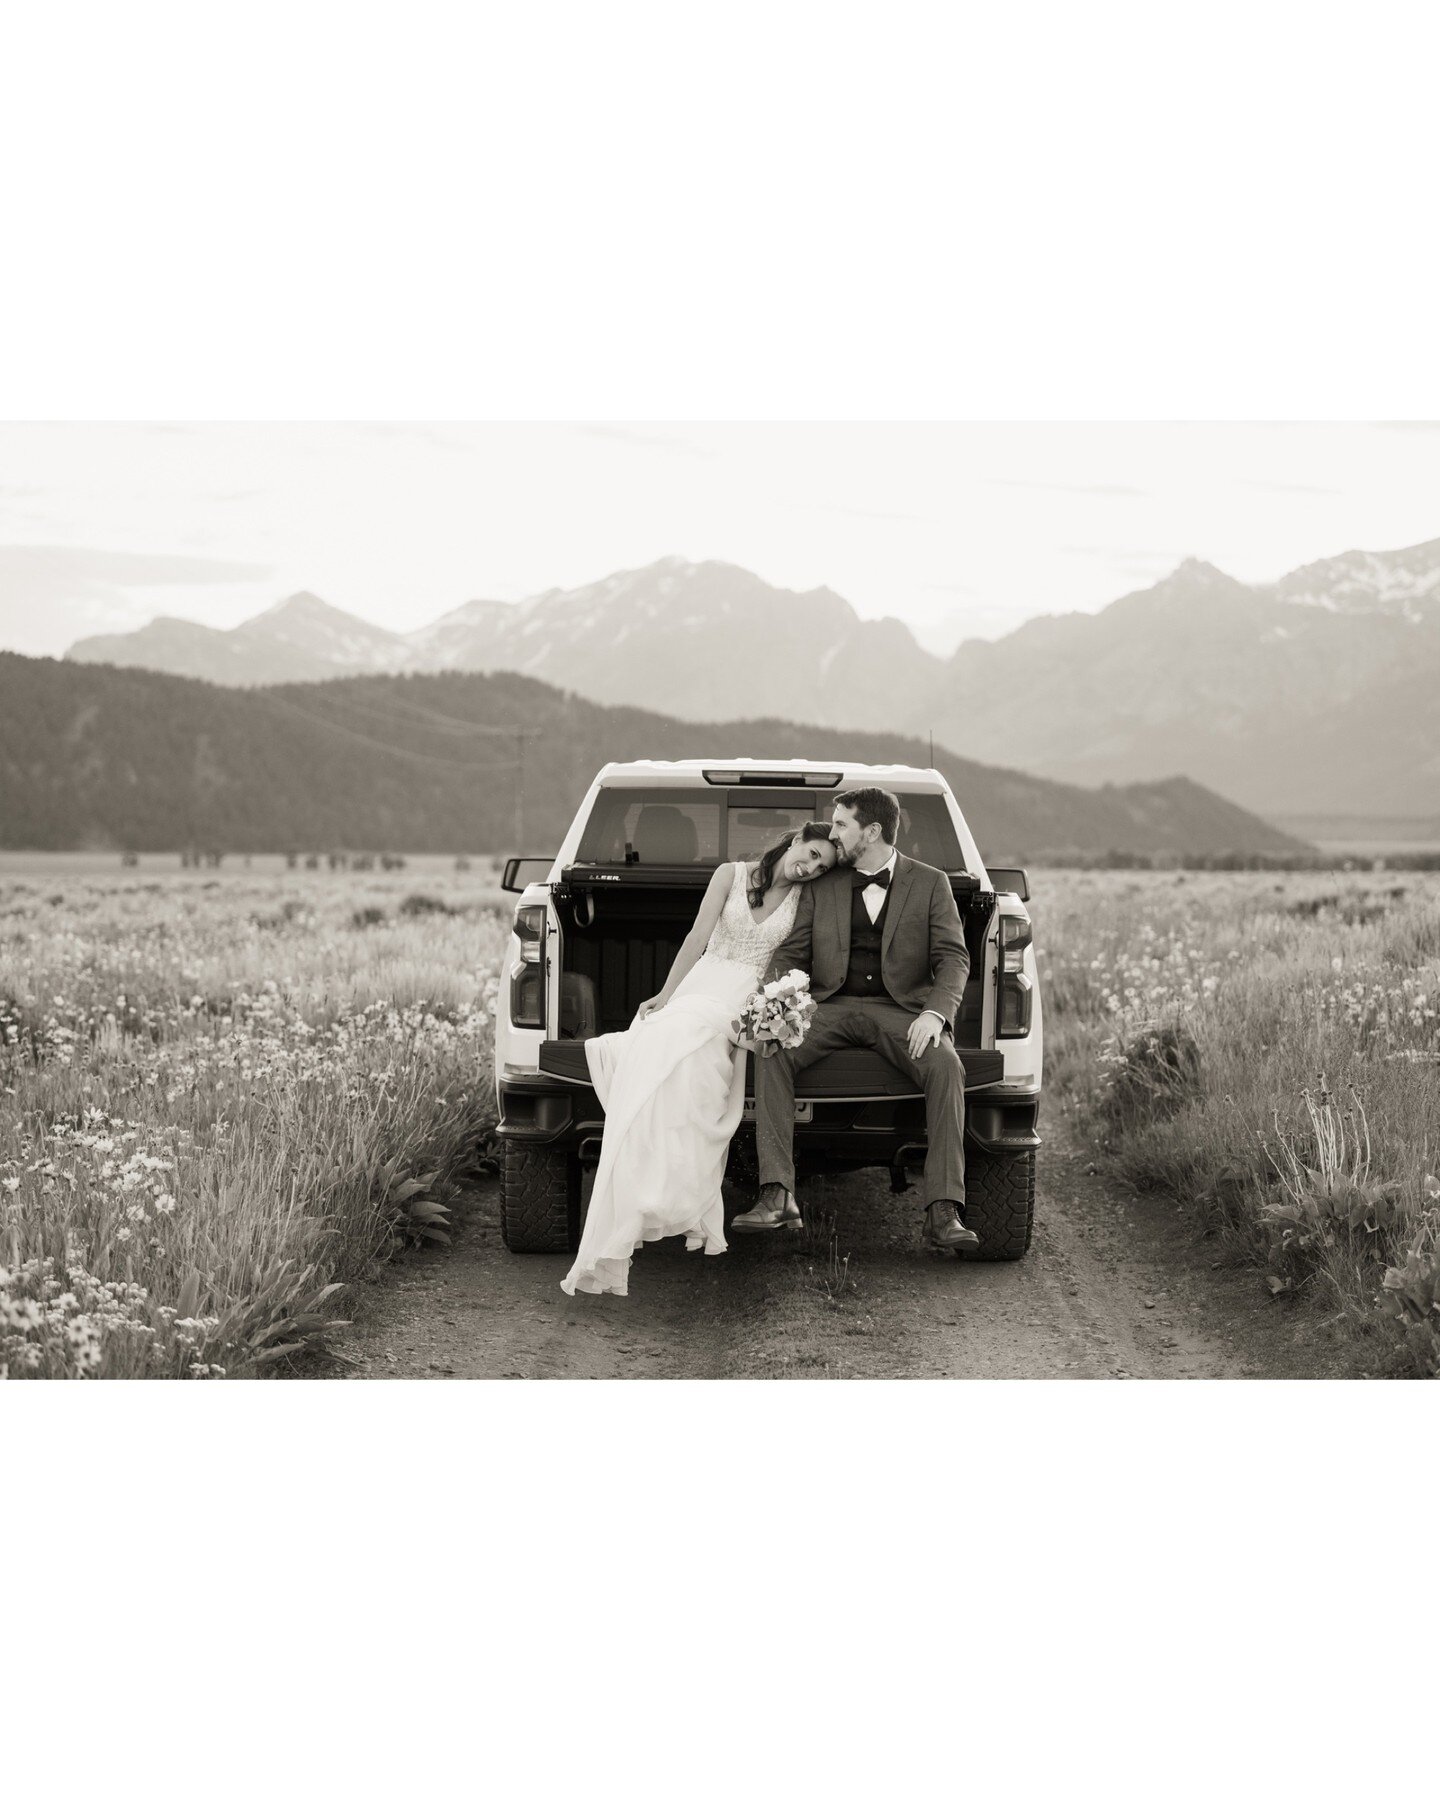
777	1015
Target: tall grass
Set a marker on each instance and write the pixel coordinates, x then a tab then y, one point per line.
1267	1049
218	1102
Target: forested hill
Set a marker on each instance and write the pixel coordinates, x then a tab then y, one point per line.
93	756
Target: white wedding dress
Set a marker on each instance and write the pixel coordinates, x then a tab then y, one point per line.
673	1089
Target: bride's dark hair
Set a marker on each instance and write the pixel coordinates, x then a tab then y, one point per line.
813	831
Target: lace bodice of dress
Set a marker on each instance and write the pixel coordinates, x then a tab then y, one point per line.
740	937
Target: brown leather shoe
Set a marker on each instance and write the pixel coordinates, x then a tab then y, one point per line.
945	1229
775	1210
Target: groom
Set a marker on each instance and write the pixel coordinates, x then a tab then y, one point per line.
881	939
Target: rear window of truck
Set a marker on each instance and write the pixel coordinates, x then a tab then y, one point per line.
660	825
671	827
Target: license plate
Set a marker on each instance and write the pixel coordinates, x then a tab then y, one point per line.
804	1112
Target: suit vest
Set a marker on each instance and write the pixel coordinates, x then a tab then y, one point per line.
866	940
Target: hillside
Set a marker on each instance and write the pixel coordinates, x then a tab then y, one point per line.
94	757
1313	695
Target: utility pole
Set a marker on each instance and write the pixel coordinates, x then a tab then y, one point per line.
932	749
520	736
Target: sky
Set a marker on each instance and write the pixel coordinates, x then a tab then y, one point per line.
961	530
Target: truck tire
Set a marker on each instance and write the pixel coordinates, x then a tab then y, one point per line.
539	1200
999	1204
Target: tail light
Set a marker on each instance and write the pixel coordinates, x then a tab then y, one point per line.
527	984
1013	1013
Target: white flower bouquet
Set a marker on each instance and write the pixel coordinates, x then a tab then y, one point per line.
776	1016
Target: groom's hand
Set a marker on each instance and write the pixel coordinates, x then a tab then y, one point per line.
925	1033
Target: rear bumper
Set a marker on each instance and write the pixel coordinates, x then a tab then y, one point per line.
548	1112
873	1121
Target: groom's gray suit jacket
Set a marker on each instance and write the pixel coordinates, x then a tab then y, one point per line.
924	961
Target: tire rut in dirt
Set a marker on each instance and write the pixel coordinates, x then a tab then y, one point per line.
1107	1289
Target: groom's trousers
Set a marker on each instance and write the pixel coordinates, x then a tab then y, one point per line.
845	1023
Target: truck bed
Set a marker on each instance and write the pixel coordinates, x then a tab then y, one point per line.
621	936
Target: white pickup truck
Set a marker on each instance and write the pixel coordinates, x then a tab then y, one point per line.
598	927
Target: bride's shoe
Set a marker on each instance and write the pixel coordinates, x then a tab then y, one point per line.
780	1213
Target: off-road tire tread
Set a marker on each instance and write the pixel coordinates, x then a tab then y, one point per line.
999	1204
539	1201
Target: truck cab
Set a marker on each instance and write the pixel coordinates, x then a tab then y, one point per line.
597	927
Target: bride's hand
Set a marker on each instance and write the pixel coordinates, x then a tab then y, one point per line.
646	1007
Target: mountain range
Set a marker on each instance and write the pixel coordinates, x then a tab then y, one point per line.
299	639
117	758
1314	694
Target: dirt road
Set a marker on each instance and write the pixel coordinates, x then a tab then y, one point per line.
1113	1287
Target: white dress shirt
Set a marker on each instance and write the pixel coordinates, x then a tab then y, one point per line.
872	897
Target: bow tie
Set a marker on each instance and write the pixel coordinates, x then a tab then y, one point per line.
882	879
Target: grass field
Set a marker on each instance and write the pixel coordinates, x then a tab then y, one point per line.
220	1096
223	1094
1266	1048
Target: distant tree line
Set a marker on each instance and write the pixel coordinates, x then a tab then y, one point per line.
344	859
1235	860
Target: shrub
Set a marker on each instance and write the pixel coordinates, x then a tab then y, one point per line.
1152	1073
418	906
289	912
1331	1199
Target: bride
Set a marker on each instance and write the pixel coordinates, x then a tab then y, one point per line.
673	1085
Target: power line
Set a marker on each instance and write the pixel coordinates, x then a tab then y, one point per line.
406	709
395	750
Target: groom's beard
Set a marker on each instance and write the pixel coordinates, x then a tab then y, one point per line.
844	859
